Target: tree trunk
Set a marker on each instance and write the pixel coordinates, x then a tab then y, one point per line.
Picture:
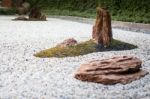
102	30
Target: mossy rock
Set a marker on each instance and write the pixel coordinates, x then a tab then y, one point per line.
82	49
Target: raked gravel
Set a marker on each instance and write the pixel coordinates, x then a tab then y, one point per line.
23	76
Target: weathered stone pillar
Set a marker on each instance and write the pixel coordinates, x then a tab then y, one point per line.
102	30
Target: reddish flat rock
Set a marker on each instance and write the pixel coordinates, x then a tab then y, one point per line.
112	78
112	65
122	69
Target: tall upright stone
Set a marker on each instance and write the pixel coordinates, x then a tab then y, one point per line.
35	14
102	30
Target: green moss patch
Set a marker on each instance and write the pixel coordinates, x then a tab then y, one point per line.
82	49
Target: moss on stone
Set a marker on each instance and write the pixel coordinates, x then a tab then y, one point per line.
82	49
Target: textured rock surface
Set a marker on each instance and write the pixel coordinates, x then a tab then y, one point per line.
111	78
112	65
102	30
123	69
36	15
68	42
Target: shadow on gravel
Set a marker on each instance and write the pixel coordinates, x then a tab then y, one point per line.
117	45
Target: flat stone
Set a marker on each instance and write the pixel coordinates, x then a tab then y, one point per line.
112	65
122	69
112	78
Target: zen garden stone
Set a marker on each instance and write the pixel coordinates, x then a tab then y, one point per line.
123	70
102	30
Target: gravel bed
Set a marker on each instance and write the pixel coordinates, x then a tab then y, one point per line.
23	76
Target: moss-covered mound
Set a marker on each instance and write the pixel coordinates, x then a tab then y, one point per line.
82	49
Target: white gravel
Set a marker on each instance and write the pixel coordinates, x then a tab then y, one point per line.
23	76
